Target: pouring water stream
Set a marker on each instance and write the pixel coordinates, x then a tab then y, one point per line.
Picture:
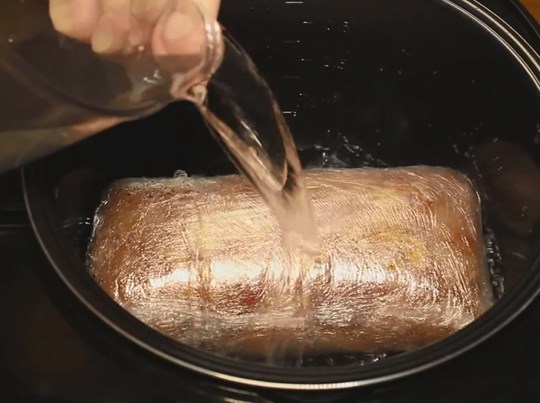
244	116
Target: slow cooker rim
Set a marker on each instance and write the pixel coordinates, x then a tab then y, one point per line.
508	308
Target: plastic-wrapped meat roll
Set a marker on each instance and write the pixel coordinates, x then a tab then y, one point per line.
402	262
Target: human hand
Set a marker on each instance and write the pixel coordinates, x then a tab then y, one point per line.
125	26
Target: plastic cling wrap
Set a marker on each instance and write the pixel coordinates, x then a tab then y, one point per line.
402	262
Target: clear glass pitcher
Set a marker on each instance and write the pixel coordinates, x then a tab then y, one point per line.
55	90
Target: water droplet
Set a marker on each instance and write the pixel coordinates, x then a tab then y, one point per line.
292	113
179	173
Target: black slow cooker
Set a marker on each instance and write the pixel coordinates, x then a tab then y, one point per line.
362	83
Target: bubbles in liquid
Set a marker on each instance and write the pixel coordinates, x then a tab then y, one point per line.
339	152
493	259
180	174
78	230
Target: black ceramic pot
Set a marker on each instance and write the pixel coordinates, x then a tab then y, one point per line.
393	83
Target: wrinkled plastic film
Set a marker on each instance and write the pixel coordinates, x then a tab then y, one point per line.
201	260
